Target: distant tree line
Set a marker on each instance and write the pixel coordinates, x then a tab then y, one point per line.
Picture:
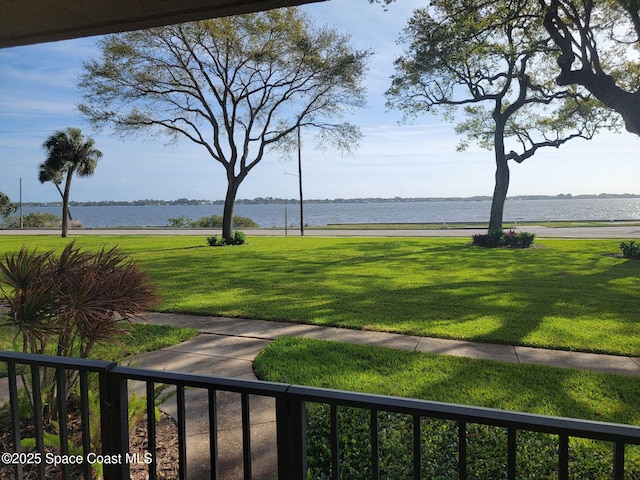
284	201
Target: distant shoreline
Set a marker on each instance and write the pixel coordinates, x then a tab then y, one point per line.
284	201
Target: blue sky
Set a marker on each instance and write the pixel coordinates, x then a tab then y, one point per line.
38	96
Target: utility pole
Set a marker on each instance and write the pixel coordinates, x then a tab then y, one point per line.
300	183
21	219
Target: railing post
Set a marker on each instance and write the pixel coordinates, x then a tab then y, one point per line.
462	450
618	460
114	424
563	456
292	437
15	413
512	445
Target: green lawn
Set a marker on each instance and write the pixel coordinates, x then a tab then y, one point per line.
142	338
568	294
525	388
480	225
485	383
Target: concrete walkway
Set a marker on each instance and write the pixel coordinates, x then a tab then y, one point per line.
228	346
241	340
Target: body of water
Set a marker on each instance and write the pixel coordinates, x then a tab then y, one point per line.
273	216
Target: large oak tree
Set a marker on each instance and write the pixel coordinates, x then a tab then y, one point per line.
492	58
236	86
598	42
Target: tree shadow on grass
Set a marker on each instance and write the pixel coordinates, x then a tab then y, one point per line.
419	287
526	388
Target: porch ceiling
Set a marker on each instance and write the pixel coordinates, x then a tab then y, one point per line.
25	22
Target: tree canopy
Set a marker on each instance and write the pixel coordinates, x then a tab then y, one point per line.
237	86
7	207
68	152
492	58
598	44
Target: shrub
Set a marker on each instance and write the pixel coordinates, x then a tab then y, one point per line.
214	241
239	238
35	220
630	249
67	305
179	222
481	239
486	449
525	239
510	238
213	221
497	238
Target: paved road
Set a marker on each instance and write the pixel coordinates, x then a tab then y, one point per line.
614	231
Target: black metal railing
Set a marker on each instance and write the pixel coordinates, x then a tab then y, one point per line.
290	420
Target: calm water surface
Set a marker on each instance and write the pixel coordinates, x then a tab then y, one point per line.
268	216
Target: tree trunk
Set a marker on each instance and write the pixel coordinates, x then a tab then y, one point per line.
227	214
502	180
65	203
499	194
62	197
604	88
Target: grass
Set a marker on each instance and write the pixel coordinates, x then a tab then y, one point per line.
517	387
469	225
143	338
525	388
569	294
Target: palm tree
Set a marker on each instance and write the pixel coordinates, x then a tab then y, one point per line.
68	153
46	175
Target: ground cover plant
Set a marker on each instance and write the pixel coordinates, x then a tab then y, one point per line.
517	387
239	238
630	249
568	294
498	238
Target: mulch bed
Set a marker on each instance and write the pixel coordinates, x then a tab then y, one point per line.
166	448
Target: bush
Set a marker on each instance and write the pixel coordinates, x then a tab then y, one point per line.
480	239
486	449
630	249
179	222
525	239
214	241
497	238
510	238
35	220
494	238
213	221
239	238
67	305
